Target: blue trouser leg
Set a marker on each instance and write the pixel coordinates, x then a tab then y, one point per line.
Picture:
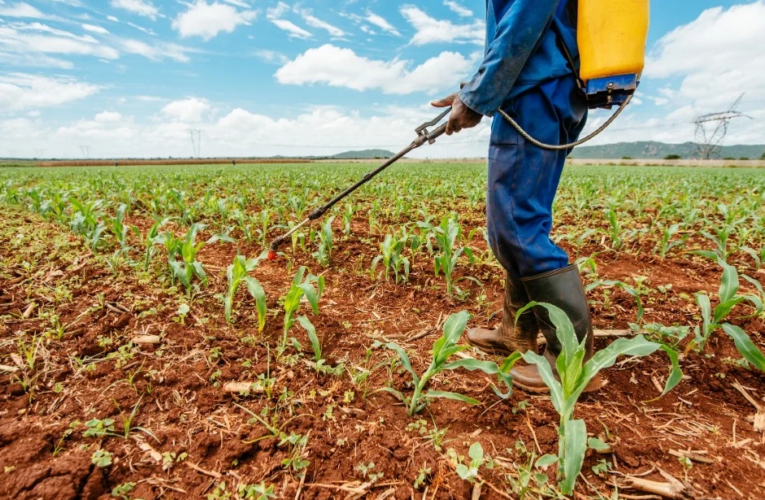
523	178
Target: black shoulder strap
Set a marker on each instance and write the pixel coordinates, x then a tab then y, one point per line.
567	53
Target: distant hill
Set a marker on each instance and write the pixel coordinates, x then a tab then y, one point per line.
364	154
658	150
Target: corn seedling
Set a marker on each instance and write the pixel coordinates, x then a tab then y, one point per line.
238	273
310	287
712	319
182	257
444	348
665	244
447	236
574	375
323	252
392	259
150	242
117	227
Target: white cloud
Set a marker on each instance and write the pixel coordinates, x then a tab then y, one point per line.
272	56
95	29
274	14
32	43
140	7
112	19
719	55
238	3
431	30
241	132
141	28
108	117
315	22
340	67
381	23
156	52
208	20
187	110
458	9
20	91
21	9
294	30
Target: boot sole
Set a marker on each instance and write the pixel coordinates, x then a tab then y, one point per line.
594	386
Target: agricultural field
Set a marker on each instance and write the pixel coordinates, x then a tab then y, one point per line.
148	349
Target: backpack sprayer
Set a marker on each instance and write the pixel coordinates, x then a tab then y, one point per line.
611	35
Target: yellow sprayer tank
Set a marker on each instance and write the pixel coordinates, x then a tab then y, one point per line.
612	37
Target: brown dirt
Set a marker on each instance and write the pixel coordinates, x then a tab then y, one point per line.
84	375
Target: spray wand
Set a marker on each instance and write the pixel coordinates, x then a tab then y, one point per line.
424	136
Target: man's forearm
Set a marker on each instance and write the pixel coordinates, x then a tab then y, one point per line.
518	33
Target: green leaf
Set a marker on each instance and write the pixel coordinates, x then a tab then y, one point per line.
476	452
575	446
597	445
745	346
308	326
675	373
310	295
405	362
455	325
545	371
451	395
706	311
564	330
706	253
547	460
398	394
257	293
729	284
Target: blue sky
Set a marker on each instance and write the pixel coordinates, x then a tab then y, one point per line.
263	77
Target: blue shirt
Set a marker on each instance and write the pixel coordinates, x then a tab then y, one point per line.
522	50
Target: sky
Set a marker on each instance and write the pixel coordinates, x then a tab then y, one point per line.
132	78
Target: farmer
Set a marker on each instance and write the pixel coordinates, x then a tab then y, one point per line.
526	73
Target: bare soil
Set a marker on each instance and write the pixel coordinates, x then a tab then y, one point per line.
176	385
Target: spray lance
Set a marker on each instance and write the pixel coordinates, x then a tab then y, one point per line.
611	36
424	136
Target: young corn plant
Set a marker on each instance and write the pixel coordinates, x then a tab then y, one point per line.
323	252
150	242
182	257
665	244
238	273
117	227
712	319
444	348
311	287
392	259
447	236
573	375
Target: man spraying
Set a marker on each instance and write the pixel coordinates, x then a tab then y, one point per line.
527	73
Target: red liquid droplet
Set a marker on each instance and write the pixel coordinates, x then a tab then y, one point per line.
271	255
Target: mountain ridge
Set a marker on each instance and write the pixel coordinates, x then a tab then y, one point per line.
654	150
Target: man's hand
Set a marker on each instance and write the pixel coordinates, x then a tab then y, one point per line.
461	116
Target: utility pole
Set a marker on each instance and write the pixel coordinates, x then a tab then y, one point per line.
39	153
711	130
85	152
196	141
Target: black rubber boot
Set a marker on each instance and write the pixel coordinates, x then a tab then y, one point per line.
509	337
562	288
